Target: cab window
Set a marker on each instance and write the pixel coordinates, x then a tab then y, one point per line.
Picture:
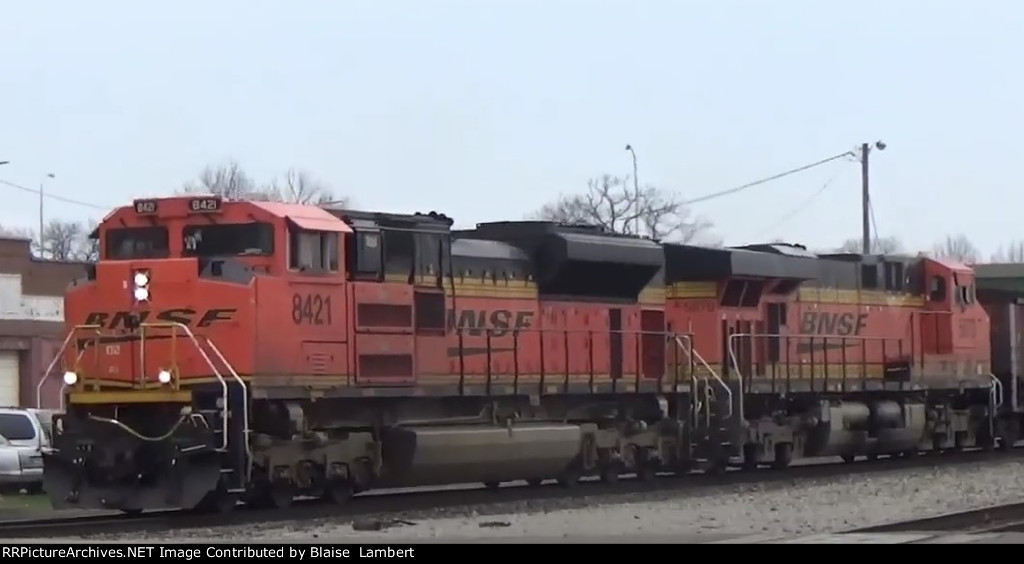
137	243
312	251
228	239
937	289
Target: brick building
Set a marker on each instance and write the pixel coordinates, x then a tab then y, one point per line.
31	322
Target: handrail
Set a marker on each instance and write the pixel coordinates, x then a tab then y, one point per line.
57	358
64	386
996	391
220	378
734	360
245	406
697	356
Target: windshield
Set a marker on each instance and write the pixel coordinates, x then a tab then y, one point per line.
16	427
231	239
137	243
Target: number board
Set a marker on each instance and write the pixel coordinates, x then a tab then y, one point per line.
204	205
145	207
311	309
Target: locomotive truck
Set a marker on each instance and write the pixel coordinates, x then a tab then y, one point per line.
227	351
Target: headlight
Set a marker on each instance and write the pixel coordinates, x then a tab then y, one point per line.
141	279
70	378
164	377
141	294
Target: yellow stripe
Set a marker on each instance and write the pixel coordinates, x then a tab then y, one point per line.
653	296
858	297
131	396
693	290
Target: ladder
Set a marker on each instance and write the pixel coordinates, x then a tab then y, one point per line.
711	407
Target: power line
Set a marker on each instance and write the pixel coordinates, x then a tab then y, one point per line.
55	197
769	179
874	225
798	208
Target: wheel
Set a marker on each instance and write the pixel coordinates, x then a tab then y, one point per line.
217	501
1007	433
534	482
646	466
849	458
783	456
717	466
492	485
570	477
610	472
339	492
281	496
750	457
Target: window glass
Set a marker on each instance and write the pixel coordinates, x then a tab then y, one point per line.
228	239
16	427
137	243
313	250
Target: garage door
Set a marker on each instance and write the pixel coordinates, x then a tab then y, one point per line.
10	378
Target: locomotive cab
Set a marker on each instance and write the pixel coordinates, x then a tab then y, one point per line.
953	325
162	336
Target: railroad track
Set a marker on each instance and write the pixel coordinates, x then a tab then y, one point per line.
994	519
371	510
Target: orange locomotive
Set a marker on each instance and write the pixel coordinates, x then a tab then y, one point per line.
838	355
235	350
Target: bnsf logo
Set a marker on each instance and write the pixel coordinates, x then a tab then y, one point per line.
185	316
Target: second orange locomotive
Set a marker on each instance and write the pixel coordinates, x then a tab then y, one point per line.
236	350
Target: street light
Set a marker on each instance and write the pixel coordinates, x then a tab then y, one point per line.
636	191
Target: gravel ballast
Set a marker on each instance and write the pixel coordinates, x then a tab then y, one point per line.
792	507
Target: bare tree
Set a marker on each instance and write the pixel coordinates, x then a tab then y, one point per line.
62	241
89	249
299	187
1014	252
230	181
879	246
227	180
610	202
957	247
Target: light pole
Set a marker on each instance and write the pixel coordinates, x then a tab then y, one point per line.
865	194
42	184
636	191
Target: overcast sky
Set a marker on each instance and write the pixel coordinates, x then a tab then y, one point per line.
484	110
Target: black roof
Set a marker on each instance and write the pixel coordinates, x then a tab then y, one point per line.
693	263
480	248
361	219
585	247
561	242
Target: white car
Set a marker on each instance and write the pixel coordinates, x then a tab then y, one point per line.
23	435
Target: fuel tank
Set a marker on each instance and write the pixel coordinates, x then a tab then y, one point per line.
434	455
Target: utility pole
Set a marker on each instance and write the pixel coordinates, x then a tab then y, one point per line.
865	199
636	192
865	193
